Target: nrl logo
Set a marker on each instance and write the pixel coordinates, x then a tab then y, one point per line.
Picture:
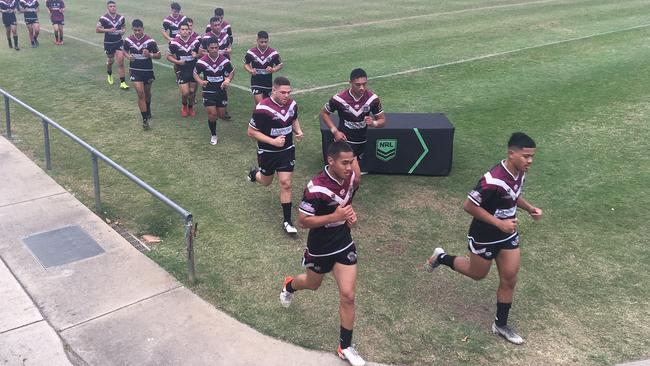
386	149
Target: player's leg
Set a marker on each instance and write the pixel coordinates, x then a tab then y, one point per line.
264	172
257	96
310	280
476	266
37	31
119	58
56	33
284	179
185	94
142	101
8	32
61	33
346	280
147	95
190	98
213	116
507	261
14	33
110	59
30	33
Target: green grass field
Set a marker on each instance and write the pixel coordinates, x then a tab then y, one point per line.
582	296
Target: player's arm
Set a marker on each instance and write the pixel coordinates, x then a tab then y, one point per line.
155	54
297	130
341	213
249	68
534	212
325	115
277	68
198	79
100	28
261	137
507	226
377	122
165	35
171	58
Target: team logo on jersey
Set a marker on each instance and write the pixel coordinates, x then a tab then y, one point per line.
342	192
386	149
366	108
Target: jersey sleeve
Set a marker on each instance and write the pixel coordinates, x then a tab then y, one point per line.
331	106
482	193
199	68
376	107
171	49
259	121
295	112
153	47
277	60
248	58
310	203
228	69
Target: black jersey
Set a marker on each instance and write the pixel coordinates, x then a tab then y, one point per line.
108	21
214	71
182	49
29	8
352	112
55	6
259	61
221	38
135	46
322	196
171	24
6	5
497	192
273	120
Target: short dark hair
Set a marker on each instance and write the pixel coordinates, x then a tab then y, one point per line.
263	35
137	23
520	140
214	20
176	6
218	12
337	147
189	20
185	22
280	81
109	2
213	40
358	73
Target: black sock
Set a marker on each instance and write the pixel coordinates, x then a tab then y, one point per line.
346	338
122	80
184	104
290	288
56	35
503	309
213	127
447	260
16	41
109	71
145	116
149	107
9	40
286	211
190	101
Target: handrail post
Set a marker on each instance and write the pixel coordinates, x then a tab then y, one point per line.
8	117
46	141
98	202
189	238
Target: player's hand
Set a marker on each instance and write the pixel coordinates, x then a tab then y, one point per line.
204	83
352	220
535	213
343	213
299	135
146	53
180	62
508	226
194	54
269	69
131	57
338	136
225	84
112	30
369	121
278	141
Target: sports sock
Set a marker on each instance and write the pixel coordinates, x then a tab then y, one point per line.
149	107
190	100
56	35
447	260
213	127
346	338
16	41
109	71
286	211
289	287
503	309
144	115
9	41
122	79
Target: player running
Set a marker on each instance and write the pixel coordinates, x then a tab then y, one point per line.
357	107
113	26
140	49
326	210
493	232
171	23
273	125
261	62
217	74
226	29
29	8
183	50
56	9
8	9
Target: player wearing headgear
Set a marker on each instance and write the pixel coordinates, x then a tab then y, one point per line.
171	23
261	62
113	25
273	125
493	232
8	8
29	8
358	108
140	49
56	9
326	210
183	52
217	74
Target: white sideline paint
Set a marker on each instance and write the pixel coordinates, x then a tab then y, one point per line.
477	58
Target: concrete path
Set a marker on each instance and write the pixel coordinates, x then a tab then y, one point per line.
113	308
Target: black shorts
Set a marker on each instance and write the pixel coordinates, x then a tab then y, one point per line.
325	264
265	92
218	99
491	251
282	161
184	76
31	20
358	149
8	19
146	77
111	48
59	22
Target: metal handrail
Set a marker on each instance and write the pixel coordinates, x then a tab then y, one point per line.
95	155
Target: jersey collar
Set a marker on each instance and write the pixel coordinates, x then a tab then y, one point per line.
503	164
327	171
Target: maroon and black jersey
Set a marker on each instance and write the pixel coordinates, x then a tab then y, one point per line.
29	8
182	49
108	21
352	112
221	38
135	46
497	192
273	120
225	29
55	6
171	24
214	71
322	196
8	5
259	61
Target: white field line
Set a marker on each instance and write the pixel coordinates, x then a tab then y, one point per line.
477	58
167	65
391	20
